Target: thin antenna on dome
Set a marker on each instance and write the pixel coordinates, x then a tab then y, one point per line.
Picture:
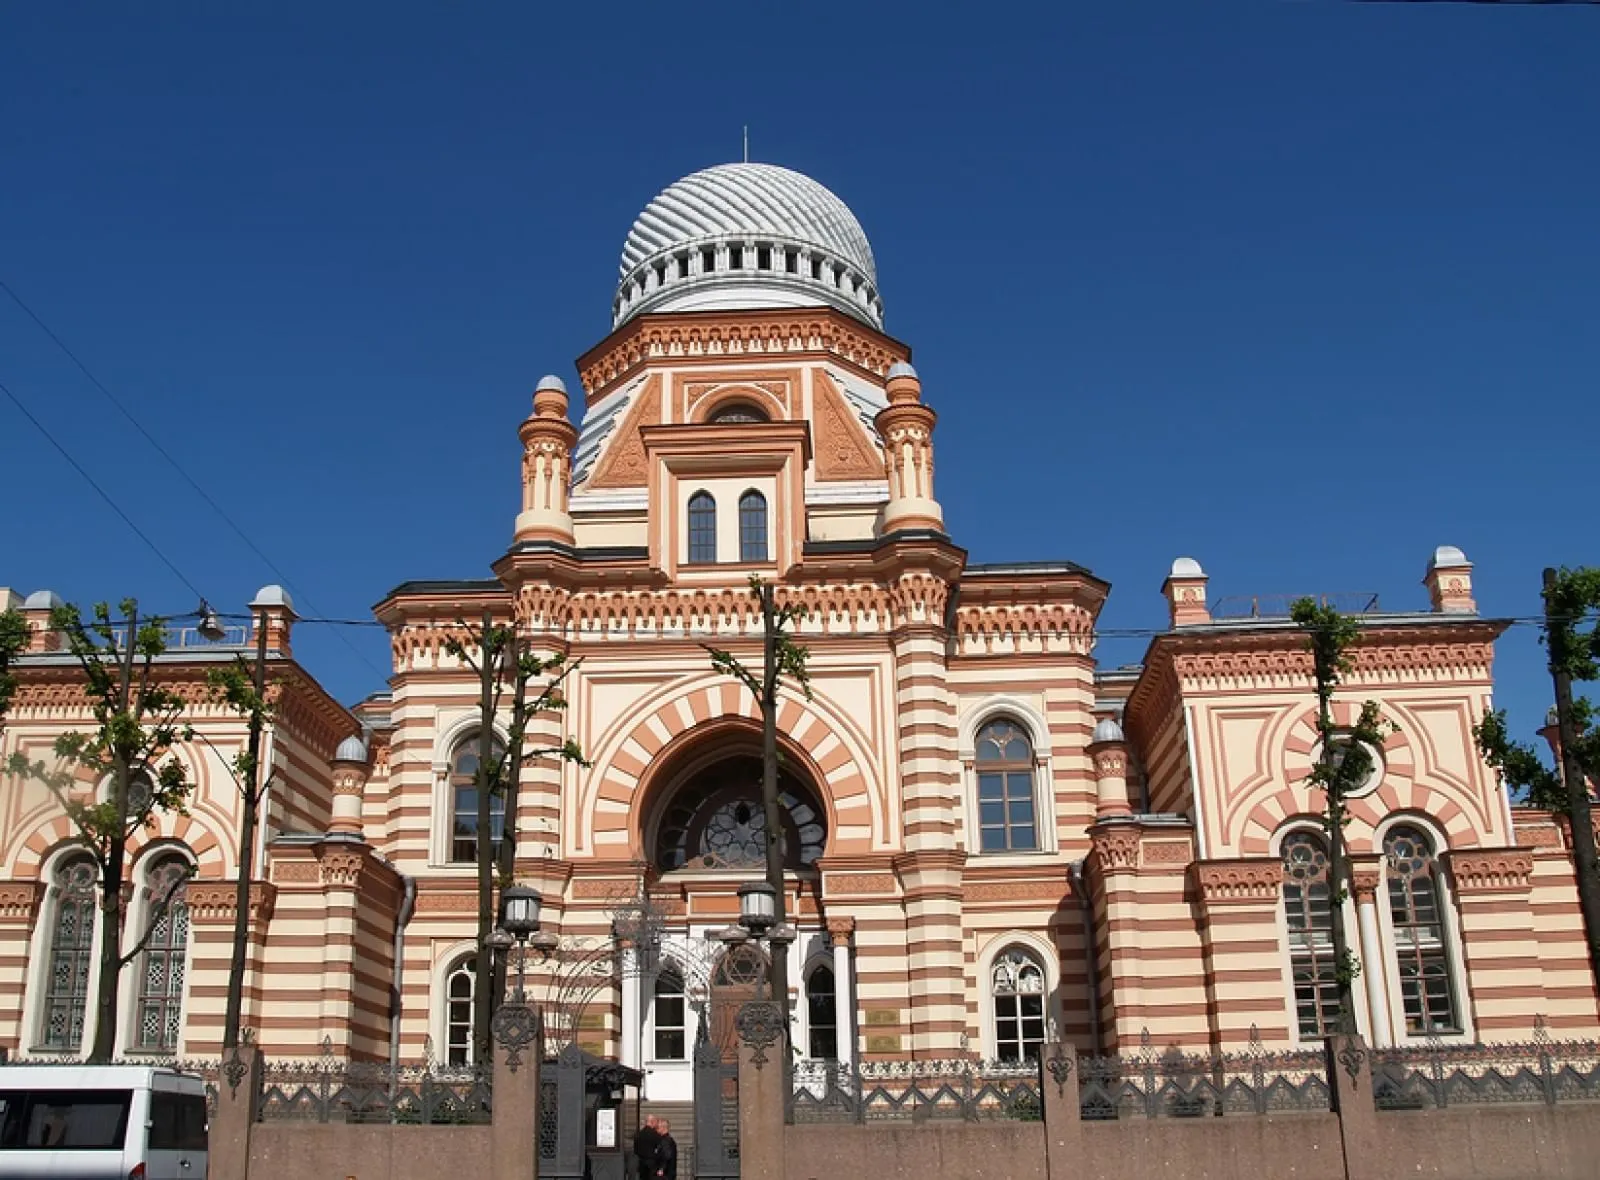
747	143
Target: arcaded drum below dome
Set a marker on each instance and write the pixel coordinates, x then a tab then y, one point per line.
741	236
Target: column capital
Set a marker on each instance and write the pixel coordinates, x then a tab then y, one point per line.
840	930
1366	875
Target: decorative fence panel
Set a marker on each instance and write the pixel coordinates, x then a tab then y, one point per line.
329	1089
1438	1075
1155	1083
956	1088
716	1112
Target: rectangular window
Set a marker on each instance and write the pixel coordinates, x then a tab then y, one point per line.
791	261
1005	812
464	828
764	258
702	529
735	257
1316	986
670	1039
1425	990
1019	1027
81	1120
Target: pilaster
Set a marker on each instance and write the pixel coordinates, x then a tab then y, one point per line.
1500	944
1239	902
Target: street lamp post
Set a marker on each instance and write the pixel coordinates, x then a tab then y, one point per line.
758	923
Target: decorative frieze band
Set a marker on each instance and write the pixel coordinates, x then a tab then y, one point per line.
217	901
1492	870
19	901
1231	882
1115	849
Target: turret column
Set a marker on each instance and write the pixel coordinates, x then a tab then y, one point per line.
547	442
906	428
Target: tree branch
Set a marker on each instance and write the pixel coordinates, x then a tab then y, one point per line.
157	912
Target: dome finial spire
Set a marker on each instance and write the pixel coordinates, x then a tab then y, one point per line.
747	143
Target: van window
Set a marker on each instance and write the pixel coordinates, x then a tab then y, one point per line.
177	1121
81	1120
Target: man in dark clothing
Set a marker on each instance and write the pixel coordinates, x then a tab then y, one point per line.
666	1152
646	1147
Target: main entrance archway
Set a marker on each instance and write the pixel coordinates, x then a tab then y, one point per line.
707	813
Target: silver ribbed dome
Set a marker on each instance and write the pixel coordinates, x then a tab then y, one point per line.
743	236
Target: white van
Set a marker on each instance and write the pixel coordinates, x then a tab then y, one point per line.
101	1122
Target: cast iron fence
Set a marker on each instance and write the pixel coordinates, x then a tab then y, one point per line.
1437	1075
955	1088
1168	1083
330	1089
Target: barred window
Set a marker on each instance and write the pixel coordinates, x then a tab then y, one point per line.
702	528
752	526
1006	820
1017	980
822	1014
464	806
1309	913
668	1011
71	953
459	986
160	1006
1416	913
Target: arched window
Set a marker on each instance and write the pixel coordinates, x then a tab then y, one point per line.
1006	819
715	820
669	1013
822	1014
159	1014
736	413
464	803
752	526
1309	914
1417	915
702	528
459	987
71	952
1017	987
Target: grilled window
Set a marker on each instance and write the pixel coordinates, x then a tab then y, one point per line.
1416	914
71	953
166	956
1308	910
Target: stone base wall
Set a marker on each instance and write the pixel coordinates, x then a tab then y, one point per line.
332	1152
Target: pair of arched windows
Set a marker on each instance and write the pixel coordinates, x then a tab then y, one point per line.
669	1012
1416	924
703	528
162	968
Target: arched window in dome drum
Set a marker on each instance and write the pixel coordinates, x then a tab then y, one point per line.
1018	992
71	953
1307	909
752	526
702	528
1006	818
1417	915
464	804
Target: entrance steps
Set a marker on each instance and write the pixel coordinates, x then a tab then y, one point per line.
681	1116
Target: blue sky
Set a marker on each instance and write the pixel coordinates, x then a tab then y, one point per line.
1300	289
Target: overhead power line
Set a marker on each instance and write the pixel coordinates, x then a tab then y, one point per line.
172	461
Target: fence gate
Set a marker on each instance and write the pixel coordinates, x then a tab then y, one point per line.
716	1108
562	1116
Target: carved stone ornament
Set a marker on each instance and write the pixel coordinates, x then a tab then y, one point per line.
1365	878
1492	870
760	1025
19	900
1353	1057
515	1026
341	867
839	931
1232	881
1116	848
234	1070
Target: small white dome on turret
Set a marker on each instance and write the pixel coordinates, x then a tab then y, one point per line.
1186	567
1108	731
550	381
352	749
901	369
1448	555
273	596
42	600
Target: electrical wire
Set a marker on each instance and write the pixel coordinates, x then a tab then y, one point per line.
173	463
104	495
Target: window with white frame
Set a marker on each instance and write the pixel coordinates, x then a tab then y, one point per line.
1007	818
158	1013
1017	987
71	953
1308	912
702	528
464	788
460	985
670	1016
752	526
1416	914
822	1014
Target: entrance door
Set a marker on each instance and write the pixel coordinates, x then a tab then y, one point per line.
738	978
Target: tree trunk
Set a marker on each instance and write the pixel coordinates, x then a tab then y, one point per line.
483	984
771	806
506	852
1338	875
1579	810
109	984
247	850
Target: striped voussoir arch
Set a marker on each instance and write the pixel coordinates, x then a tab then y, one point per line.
1255	816
843	776
190	831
